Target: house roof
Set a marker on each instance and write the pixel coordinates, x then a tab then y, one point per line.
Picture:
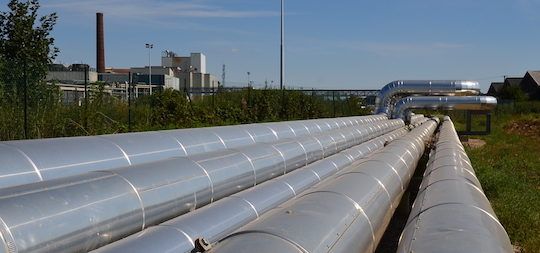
495	87
513	81
535	74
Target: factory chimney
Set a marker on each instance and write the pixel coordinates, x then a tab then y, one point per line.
100	43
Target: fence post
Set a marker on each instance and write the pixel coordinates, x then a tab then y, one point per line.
488	122
213	98
282	103
312	107
25	90
86	98
334	103
129	100
469	123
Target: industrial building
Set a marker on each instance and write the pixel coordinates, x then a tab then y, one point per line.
186	73
73	74
175	72
179	72
196	62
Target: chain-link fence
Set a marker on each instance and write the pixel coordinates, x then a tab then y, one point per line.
105	109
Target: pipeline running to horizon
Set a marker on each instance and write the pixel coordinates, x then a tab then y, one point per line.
321	185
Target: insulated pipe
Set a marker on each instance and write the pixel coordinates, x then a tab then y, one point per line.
85	211
442	103
221	218
348	213
27	161
418	119
451	212
396	89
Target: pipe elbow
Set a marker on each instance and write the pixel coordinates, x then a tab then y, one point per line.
391	91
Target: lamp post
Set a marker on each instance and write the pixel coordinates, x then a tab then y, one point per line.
249	82
281	56
149	46
281	59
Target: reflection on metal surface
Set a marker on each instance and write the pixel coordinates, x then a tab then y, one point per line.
92	209
451	212
346	213
28	161
215	221
403	88
443	103
417	119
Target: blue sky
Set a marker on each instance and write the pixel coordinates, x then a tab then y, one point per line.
347	44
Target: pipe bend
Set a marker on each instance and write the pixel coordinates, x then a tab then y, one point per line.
423	87
404	105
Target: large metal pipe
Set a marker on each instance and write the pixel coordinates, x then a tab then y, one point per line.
348	213
221	218
417	119
451	212
83	212
442	103
27	161
397	89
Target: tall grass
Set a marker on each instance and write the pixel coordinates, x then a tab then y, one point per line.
508	168
168	109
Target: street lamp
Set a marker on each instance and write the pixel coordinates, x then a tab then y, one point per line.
149	46
282	53
249	82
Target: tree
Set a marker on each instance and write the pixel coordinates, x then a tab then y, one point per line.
512	92
26	50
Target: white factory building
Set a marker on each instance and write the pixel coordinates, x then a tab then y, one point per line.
187	73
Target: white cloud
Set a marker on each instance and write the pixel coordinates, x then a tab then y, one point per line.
151	9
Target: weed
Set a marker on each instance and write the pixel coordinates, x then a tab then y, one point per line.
508	168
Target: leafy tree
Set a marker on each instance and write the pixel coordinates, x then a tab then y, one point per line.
512	92
26	50
169	108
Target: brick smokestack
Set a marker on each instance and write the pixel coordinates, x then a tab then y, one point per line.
100	43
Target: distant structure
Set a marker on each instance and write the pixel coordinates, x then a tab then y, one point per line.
223	76
72	74
529	84
195	63
162	77
100	44
495	88
187	73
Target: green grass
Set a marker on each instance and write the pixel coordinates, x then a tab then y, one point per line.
508	168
